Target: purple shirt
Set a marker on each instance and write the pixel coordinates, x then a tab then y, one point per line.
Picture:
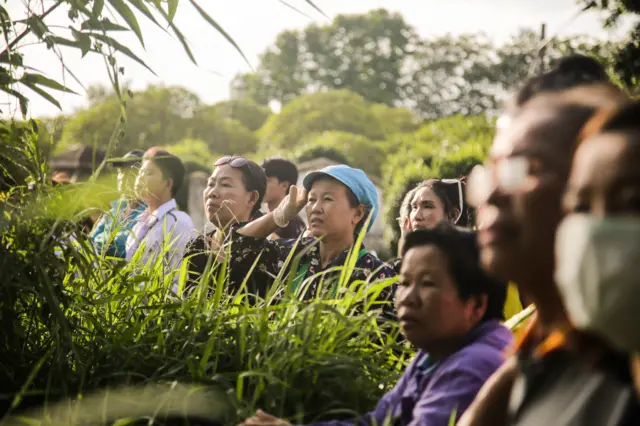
428	393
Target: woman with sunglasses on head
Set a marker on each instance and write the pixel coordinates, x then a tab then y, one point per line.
339	200
436	200
233	195
430	202
519	191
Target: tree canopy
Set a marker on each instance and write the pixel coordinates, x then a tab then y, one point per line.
379	56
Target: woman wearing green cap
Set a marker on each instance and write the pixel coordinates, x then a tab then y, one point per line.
339	201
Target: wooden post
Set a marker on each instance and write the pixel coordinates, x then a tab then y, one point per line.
543	48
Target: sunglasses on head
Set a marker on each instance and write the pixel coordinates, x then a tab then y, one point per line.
232	160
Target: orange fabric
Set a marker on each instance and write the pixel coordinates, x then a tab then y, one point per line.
555	340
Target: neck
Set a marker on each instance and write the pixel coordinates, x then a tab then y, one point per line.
330	249
543	293
446	348
154	203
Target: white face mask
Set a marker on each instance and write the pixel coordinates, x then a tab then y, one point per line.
598	275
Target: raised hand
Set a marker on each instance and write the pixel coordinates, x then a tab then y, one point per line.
290	206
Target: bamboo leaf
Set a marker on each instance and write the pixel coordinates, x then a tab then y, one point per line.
213	23
102	25
22	100
42	93
173	7
139	4
312	4
127	14
41	80
84	41
122	49
178	33
98	5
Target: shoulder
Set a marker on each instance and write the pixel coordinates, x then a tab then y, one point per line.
483	356
381	269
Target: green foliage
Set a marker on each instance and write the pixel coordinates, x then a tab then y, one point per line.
312	152
75	322
154	117
194	150
93	30
380	57
364	53
395	120
21	157
247	112
357	150
340	110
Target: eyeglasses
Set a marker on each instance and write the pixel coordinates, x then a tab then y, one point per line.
509	174
232	160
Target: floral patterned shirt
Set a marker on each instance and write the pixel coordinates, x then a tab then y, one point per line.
273	256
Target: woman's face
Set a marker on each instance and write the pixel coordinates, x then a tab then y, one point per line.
328	210
226	199
605	177
426	209
518	225
431	313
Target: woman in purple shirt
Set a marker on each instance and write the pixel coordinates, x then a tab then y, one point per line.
451	310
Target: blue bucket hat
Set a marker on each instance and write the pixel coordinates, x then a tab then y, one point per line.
354	179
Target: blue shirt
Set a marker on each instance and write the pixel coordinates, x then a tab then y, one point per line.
110	233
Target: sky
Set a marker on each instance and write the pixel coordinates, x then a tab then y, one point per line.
254	25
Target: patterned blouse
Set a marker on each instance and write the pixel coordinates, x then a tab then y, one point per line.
271	256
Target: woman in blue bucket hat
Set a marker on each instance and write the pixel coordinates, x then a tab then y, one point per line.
339	201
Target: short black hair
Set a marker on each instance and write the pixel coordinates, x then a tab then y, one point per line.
281	169
254	179
569	71
461	249
170	166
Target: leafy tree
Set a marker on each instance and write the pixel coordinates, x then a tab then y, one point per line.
247	112
222	135
380	57
192	150
363	53
357	150
339	110
318	151
395	120
626	57
156	116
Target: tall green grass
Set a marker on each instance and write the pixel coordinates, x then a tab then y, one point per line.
74	323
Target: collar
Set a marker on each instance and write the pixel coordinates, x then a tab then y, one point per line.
162	211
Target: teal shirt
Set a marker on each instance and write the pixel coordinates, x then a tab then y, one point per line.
110	233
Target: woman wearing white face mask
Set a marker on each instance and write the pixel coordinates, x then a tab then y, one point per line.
598	243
